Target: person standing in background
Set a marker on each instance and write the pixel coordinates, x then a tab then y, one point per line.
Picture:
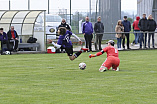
143	25
64	24
87	30
136	30
118	29
98	28
151	29
127	28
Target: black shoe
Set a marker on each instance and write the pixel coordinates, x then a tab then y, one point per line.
123	47
153	47
128	48
14	50
3	54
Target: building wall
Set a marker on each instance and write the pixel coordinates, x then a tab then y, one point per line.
110	11
155	10
145	6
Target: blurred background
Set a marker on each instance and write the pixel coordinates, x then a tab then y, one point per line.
75	11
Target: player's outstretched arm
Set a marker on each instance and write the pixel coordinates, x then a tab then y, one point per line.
49	41
80	42
97	54
55	45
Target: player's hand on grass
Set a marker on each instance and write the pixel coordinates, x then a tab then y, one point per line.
49	41
91	55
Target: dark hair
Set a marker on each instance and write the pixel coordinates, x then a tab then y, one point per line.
1	28
62	30
125	16
112	44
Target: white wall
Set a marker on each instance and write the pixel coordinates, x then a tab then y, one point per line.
41	40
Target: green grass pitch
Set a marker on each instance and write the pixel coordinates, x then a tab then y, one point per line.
54	79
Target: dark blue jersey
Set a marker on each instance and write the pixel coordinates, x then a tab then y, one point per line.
64	40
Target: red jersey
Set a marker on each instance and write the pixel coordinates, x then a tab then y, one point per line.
13	35
111	51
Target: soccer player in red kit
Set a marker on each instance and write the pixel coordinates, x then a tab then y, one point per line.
112	57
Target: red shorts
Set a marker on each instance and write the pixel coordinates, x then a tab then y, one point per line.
111	61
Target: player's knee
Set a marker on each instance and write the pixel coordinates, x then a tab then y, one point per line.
71	59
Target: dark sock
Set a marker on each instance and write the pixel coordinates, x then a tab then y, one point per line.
81	51
77	54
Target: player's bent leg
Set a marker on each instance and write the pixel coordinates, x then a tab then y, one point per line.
75	55
107	63
115	69
72	57
116	64
69	51
84	49
103	69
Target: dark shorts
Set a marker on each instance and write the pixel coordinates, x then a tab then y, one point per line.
69	51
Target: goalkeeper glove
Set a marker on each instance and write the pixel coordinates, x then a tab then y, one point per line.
91	55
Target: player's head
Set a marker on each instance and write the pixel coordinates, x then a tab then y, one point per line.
62	30
110	43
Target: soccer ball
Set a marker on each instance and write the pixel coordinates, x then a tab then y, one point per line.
7	52
82	66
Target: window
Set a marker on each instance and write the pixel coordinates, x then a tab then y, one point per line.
51	18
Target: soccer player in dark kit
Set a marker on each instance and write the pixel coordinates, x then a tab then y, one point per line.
64	42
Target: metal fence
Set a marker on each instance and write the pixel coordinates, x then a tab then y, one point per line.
132	37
